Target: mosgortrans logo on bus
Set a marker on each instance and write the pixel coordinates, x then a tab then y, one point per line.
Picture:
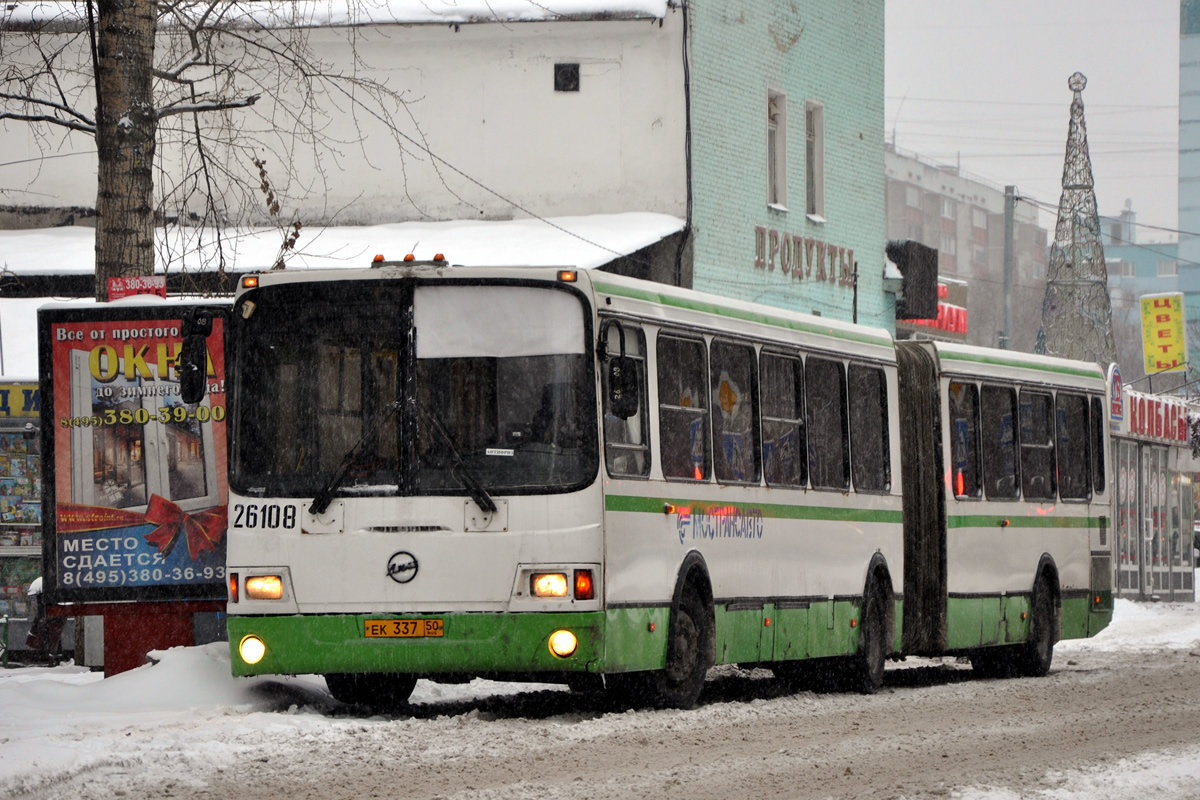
719	522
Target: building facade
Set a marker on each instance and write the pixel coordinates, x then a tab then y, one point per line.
787	164
757	124
963	218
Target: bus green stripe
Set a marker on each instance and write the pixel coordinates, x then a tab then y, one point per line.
990	521
1012	362
648	505
747	316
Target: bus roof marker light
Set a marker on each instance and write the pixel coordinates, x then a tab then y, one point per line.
439	257
249	281
410	257
568	275
378	259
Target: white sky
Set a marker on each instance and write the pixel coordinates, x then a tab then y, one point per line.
987	83
186	715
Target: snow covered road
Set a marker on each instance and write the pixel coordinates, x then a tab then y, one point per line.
1116	718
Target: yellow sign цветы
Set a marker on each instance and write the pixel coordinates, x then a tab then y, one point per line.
1164	345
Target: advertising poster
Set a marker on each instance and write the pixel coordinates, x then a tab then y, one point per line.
135	478
1164	343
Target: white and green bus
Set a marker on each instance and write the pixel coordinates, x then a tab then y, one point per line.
542	474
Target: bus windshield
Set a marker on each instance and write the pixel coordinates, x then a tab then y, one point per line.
493	389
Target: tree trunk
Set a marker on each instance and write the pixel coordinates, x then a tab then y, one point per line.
126	126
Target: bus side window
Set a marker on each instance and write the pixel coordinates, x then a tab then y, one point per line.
1037	446
627	441
1097	437
1072	440
784	448
999	445
870	446
964	440
683	408
828	462
734	413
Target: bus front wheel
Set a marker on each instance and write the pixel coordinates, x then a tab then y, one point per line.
689	653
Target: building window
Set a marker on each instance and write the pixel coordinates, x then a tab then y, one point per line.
912	196
949	208
949	244
1128	270
979	218
566	77
777	149
814	160
1168	269
1038	271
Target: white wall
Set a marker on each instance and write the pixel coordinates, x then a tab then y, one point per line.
480	96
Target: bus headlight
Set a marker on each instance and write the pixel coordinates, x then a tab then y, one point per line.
563	644
548	584
264	587
252	649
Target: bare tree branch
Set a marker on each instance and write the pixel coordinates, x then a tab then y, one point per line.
220	105
51	120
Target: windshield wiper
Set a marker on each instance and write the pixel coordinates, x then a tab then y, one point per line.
473	485
321	502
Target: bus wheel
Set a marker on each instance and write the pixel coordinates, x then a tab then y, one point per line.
387	690
872	646
1038	650
689	654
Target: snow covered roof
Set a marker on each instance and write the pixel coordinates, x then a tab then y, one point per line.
583	242
313	13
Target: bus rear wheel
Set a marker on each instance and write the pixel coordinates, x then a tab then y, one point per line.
377	690
1036	654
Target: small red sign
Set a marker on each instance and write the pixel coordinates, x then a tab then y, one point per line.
127	286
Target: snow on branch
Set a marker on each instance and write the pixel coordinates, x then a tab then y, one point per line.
219	105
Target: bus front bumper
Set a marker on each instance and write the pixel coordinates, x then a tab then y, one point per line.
464	644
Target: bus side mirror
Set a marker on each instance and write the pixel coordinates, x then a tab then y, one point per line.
193	358
622	386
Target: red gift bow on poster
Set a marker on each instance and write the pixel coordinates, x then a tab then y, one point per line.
202	530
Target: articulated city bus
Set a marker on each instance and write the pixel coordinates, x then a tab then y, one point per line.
551	475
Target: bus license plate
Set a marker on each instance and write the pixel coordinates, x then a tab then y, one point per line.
402	628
